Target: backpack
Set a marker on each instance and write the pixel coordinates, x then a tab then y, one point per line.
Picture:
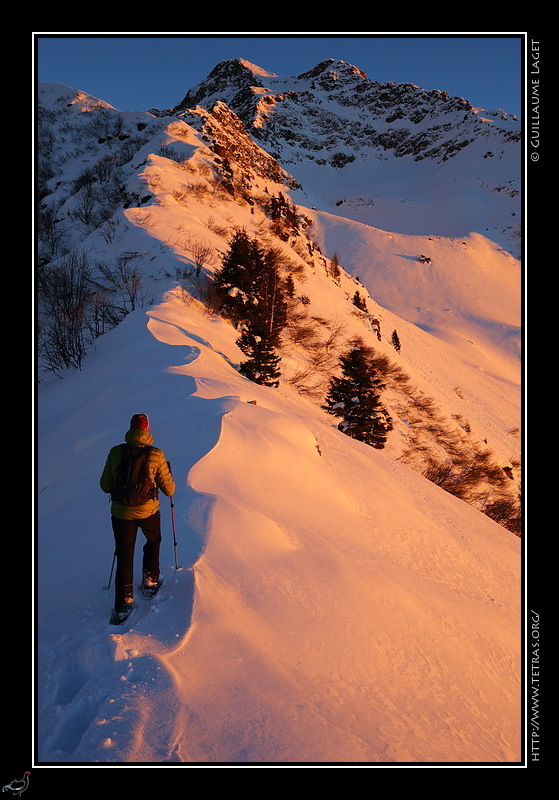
133	484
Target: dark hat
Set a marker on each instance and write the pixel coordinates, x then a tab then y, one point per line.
140	421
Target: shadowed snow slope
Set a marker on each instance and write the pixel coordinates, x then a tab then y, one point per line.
331	606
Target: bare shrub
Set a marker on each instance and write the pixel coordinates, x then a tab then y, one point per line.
124	280
51	233
314	389
170	152
202	253
302	332
208	293
505	511
425	404
64	321
197	190
218	229
444	475
180	196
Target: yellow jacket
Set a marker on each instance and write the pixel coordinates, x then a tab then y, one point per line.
157	467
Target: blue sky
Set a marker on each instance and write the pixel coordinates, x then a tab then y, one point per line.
138	72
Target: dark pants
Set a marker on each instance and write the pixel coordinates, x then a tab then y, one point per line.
125	531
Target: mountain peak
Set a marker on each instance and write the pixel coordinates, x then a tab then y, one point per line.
252	68
234	68
331	66
237	74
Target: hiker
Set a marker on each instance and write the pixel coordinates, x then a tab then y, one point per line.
135	504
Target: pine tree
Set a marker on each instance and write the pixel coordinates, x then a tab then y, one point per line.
290	286
395	341
235	281
251	294
359	301
263	325
355	397
284	216
335	267
263	363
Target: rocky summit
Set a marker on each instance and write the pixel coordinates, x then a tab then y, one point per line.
388	144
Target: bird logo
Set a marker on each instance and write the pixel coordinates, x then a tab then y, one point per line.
17	787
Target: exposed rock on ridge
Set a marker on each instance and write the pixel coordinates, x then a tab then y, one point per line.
336	103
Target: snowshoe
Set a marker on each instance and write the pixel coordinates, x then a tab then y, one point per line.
120	616
150	586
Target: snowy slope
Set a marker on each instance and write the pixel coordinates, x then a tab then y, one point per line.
331	605
468	294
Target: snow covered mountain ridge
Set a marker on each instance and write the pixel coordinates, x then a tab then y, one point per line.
268	105
321	571
395	149
127	156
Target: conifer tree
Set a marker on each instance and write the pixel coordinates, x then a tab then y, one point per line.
395	341
359	301
235	280
335	267
290	286
251	295
283	215
263	363
264	321
355	397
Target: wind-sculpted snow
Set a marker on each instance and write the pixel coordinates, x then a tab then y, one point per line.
345	594
330	606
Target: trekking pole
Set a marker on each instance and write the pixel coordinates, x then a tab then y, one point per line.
108	586
174	531
173	522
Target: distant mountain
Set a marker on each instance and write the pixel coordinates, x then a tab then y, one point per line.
392	155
